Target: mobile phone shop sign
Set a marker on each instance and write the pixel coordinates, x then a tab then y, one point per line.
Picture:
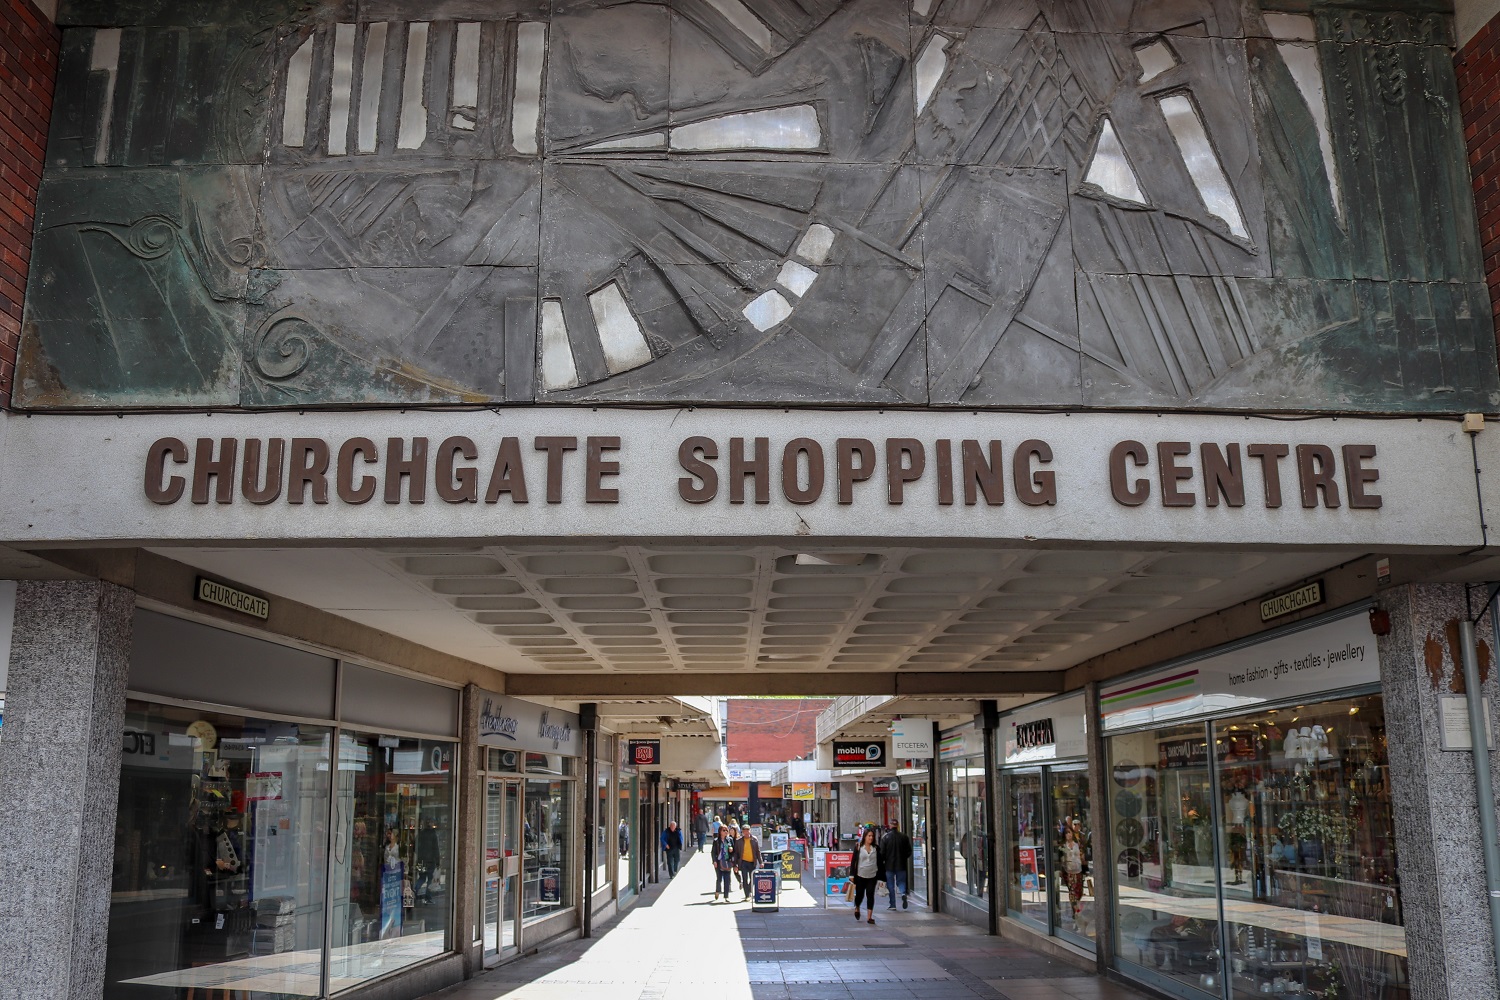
1339	654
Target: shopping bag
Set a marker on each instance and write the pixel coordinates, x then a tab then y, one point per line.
849	889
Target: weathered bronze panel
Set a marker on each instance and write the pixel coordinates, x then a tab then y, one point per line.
1201	203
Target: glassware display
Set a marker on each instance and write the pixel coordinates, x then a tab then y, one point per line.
1267	867
1312	907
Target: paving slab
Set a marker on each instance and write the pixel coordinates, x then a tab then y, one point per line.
679	943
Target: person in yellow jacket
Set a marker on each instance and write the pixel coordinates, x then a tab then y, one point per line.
746	856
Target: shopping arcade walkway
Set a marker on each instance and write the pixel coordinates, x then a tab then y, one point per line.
679	944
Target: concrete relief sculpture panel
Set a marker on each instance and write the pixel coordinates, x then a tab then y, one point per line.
1190	203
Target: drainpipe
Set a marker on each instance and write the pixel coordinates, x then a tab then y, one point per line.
1484	786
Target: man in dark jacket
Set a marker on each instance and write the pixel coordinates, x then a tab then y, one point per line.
671	845
700	828
895	855
747	857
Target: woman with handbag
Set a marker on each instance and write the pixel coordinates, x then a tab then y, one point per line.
722	855
866	873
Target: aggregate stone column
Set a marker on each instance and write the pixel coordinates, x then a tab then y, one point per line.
1101	866
59	786
1443	893
466	857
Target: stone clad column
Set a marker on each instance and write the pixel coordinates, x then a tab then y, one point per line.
1443	895
59	786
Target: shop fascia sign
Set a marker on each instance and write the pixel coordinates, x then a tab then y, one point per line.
1328	657
523	725
644	752
967	742
1197	478
859	753
511	469
1051	730
911	739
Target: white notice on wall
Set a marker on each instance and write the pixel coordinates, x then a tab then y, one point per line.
1453	714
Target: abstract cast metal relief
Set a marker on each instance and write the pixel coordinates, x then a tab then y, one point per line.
1190	203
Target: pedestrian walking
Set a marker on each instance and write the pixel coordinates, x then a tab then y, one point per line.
700	829
671	845
721	853
895	853
747	856
866	873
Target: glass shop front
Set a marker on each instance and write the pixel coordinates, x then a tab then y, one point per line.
1252	834
531	862
1048	832
279	848
965	852
916	807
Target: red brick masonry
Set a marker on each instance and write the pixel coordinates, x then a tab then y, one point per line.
772	729
1478	69
28	68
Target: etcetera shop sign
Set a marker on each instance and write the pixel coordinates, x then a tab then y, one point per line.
551	469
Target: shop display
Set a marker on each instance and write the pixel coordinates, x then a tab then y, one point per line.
1286	821
223	870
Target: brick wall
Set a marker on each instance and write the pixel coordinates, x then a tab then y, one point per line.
1478	69
772	729
28	65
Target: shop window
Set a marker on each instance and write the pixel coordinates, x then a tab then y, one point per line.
1163	853
1072	851
603	830
219	846
967	857
625	833
1287	827
1308	852
1026	829
916	827
392	855
548	846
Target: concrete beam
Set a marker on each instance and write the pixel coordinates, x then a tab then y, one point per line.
967	684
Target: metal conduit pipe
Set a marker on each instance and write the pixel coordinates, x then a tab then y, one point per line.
1483	784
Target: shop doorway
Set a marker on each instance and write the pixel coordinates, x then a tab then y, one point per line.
915	801
1050	835
502	867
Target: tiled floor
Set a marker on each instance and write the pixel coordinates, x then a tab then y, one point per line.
679	944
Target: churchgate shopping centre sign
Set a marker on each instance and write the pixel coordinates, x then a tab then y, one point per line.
1126	477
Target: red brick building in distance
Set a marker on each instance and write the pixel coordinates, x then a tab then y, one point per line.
772	730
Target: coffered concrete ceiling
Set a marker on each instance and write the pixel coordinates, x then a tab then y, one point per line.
683	609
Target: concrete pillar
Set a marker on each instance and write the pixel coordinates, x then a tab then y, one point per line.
1443	894
1103	867
467	859
59	785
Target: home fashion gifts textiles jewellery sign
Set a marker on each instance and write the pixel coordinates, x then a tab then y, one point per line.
1338	654
570	472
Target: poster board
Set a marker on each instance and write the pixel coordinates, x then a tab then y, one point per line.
839	866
